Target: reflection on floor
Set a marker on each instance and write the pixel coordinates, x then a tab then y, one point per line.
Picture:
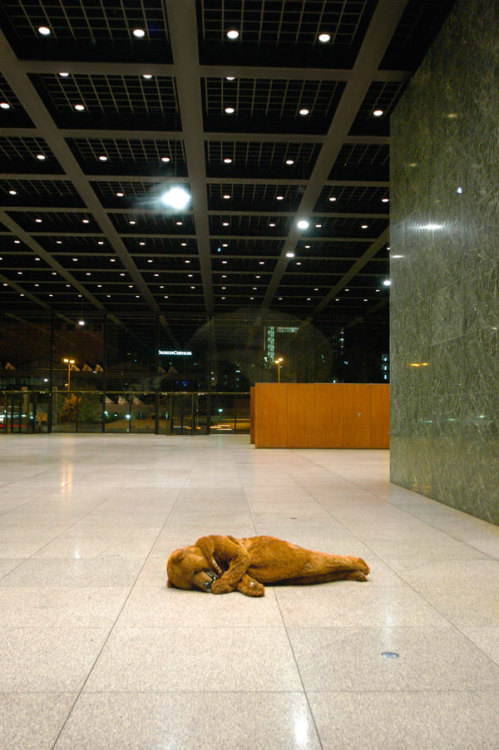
97	653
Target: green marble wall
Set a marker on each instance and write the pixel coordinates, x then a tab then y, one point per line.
444	263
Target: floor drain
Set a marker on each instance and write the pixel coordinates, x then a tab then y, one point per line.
390	654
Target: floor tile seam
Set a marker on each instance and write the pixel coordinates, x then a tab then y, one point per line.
64	530
312	715
451	625
113	626
432	526
401	577
252	519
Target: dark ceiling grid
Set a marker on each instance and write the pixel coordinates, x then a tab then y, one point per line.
165	95
38	113
383	24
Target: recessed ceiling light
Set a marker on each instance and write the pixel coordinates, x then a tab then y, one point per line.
224	262
85	221
58	242
132	221
74	259
187	261
272	224
307	247
165	159
64	75
120	195
183	244
363	226
290	255
279	197
147	75
332	198
229	110
304	112
225	223
112	260
139	33
316	289
149	260
318	226
79	107
175	197
308	299
298	262
102	158
226	197
37	258
303	224
233	34
225	244
290	161
179	223
227	160
38	221
4	105
100	242
230	78
12	192
261	262
142	243
44	30
385	200
377	112
41	157
387	282
324	37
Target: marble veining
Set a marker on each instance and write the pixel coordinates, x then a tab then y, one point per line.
444	264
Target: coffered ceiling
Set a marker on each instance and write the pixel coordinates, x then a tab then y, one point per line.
124	99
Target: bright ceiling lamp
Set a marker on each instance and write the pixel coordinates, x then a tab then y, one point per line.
303	224
233	34
176	197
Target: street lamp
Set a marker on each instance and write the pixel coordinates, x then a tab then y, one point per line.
278	362
70	363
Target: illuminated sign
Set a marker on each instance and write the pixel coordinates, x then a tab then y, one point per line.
174	353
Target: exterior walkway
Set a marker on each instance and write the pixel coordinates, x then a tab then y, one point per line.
97	653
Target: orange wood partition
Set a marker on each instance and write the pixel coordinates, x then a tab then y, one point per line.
301	417
321	415
356	415
380	416
271	408
252	414
328	416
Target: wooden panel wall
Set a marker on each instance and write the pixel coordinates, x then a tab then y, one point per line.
321	415
271	411
328	416
301	417
356	415
380	416
252	414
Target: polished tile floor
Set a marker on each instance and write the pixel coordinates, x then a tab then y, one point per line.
97	653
